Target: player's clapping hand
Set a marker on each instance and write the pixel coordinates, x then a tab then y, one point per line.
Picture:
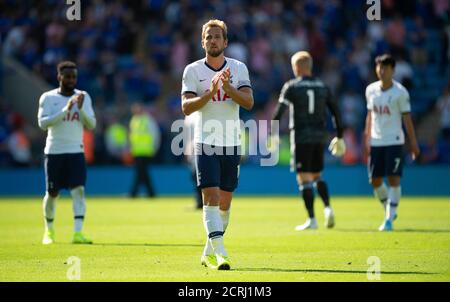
79	99
71	102
215	84
225	78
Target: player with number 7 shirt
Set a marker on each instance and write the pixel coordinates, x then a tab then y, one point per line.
387	106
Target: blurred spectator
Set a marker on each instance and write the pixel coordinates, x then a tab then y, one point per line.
89	146
418	40
403	73
160	44
331	75
353	151
396	33
15	40
4	134
236	50
116	141
179	56
352	107
317	46
144	143
260	54
429	152
18	143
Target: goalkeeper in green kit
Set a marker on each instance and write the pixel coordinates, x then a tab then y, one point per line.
307	98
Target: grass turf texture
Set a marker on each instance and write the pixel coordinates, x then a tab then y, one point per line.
162	240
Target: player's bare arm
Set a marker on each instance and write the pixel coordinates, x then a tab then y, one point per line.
367	132
191	102
407	121
243	96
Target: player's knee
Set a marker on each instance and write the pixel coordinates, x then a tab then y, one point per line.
394	181
211	197
317	177
225	203
77	191
306	185
53	194
305	177
376	182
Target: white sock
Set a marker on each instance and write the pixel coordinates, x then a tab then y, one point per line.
79	207
382	194
208	249
225	216
214	229
393	200
49	205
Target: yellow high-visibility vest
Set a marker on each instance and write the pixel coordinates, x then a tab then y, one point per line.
117	134
141	139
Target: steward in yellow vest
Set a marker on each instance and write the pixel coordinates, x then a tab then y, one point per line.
144	143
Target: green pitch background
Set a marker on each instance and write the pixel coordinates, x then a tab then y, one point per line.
162	240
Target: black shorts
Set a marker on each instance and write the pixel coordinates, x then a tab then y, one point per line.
385	161
217	166
64	171
308	158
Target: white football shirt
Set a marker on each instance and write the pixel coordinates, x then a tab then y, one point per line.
65	128
217	123
387	108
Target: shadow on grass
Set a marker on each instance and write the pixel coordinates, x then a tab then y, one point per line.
337	271
395	231
149	244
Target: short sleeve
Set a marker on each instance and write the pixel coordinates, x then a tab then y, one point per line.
369	99
188	82
285	97
403	102
243	77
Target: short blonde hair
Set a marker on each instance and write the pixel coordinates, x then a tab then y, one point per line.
215	23
302	57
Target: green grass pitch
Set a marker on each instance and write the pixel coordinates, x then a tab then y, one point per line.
162	240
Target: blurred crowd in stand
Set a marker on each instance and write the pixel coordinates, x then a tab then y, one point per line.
135	51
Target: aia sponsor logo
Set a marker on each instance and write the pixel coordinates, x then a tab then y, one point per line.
70	117
381	109
220	96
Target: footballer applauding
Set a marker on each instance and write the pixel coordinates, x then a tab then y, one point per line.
63	112
213	89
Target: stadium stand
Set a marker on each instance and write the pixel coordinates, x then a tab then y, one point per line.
131	51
